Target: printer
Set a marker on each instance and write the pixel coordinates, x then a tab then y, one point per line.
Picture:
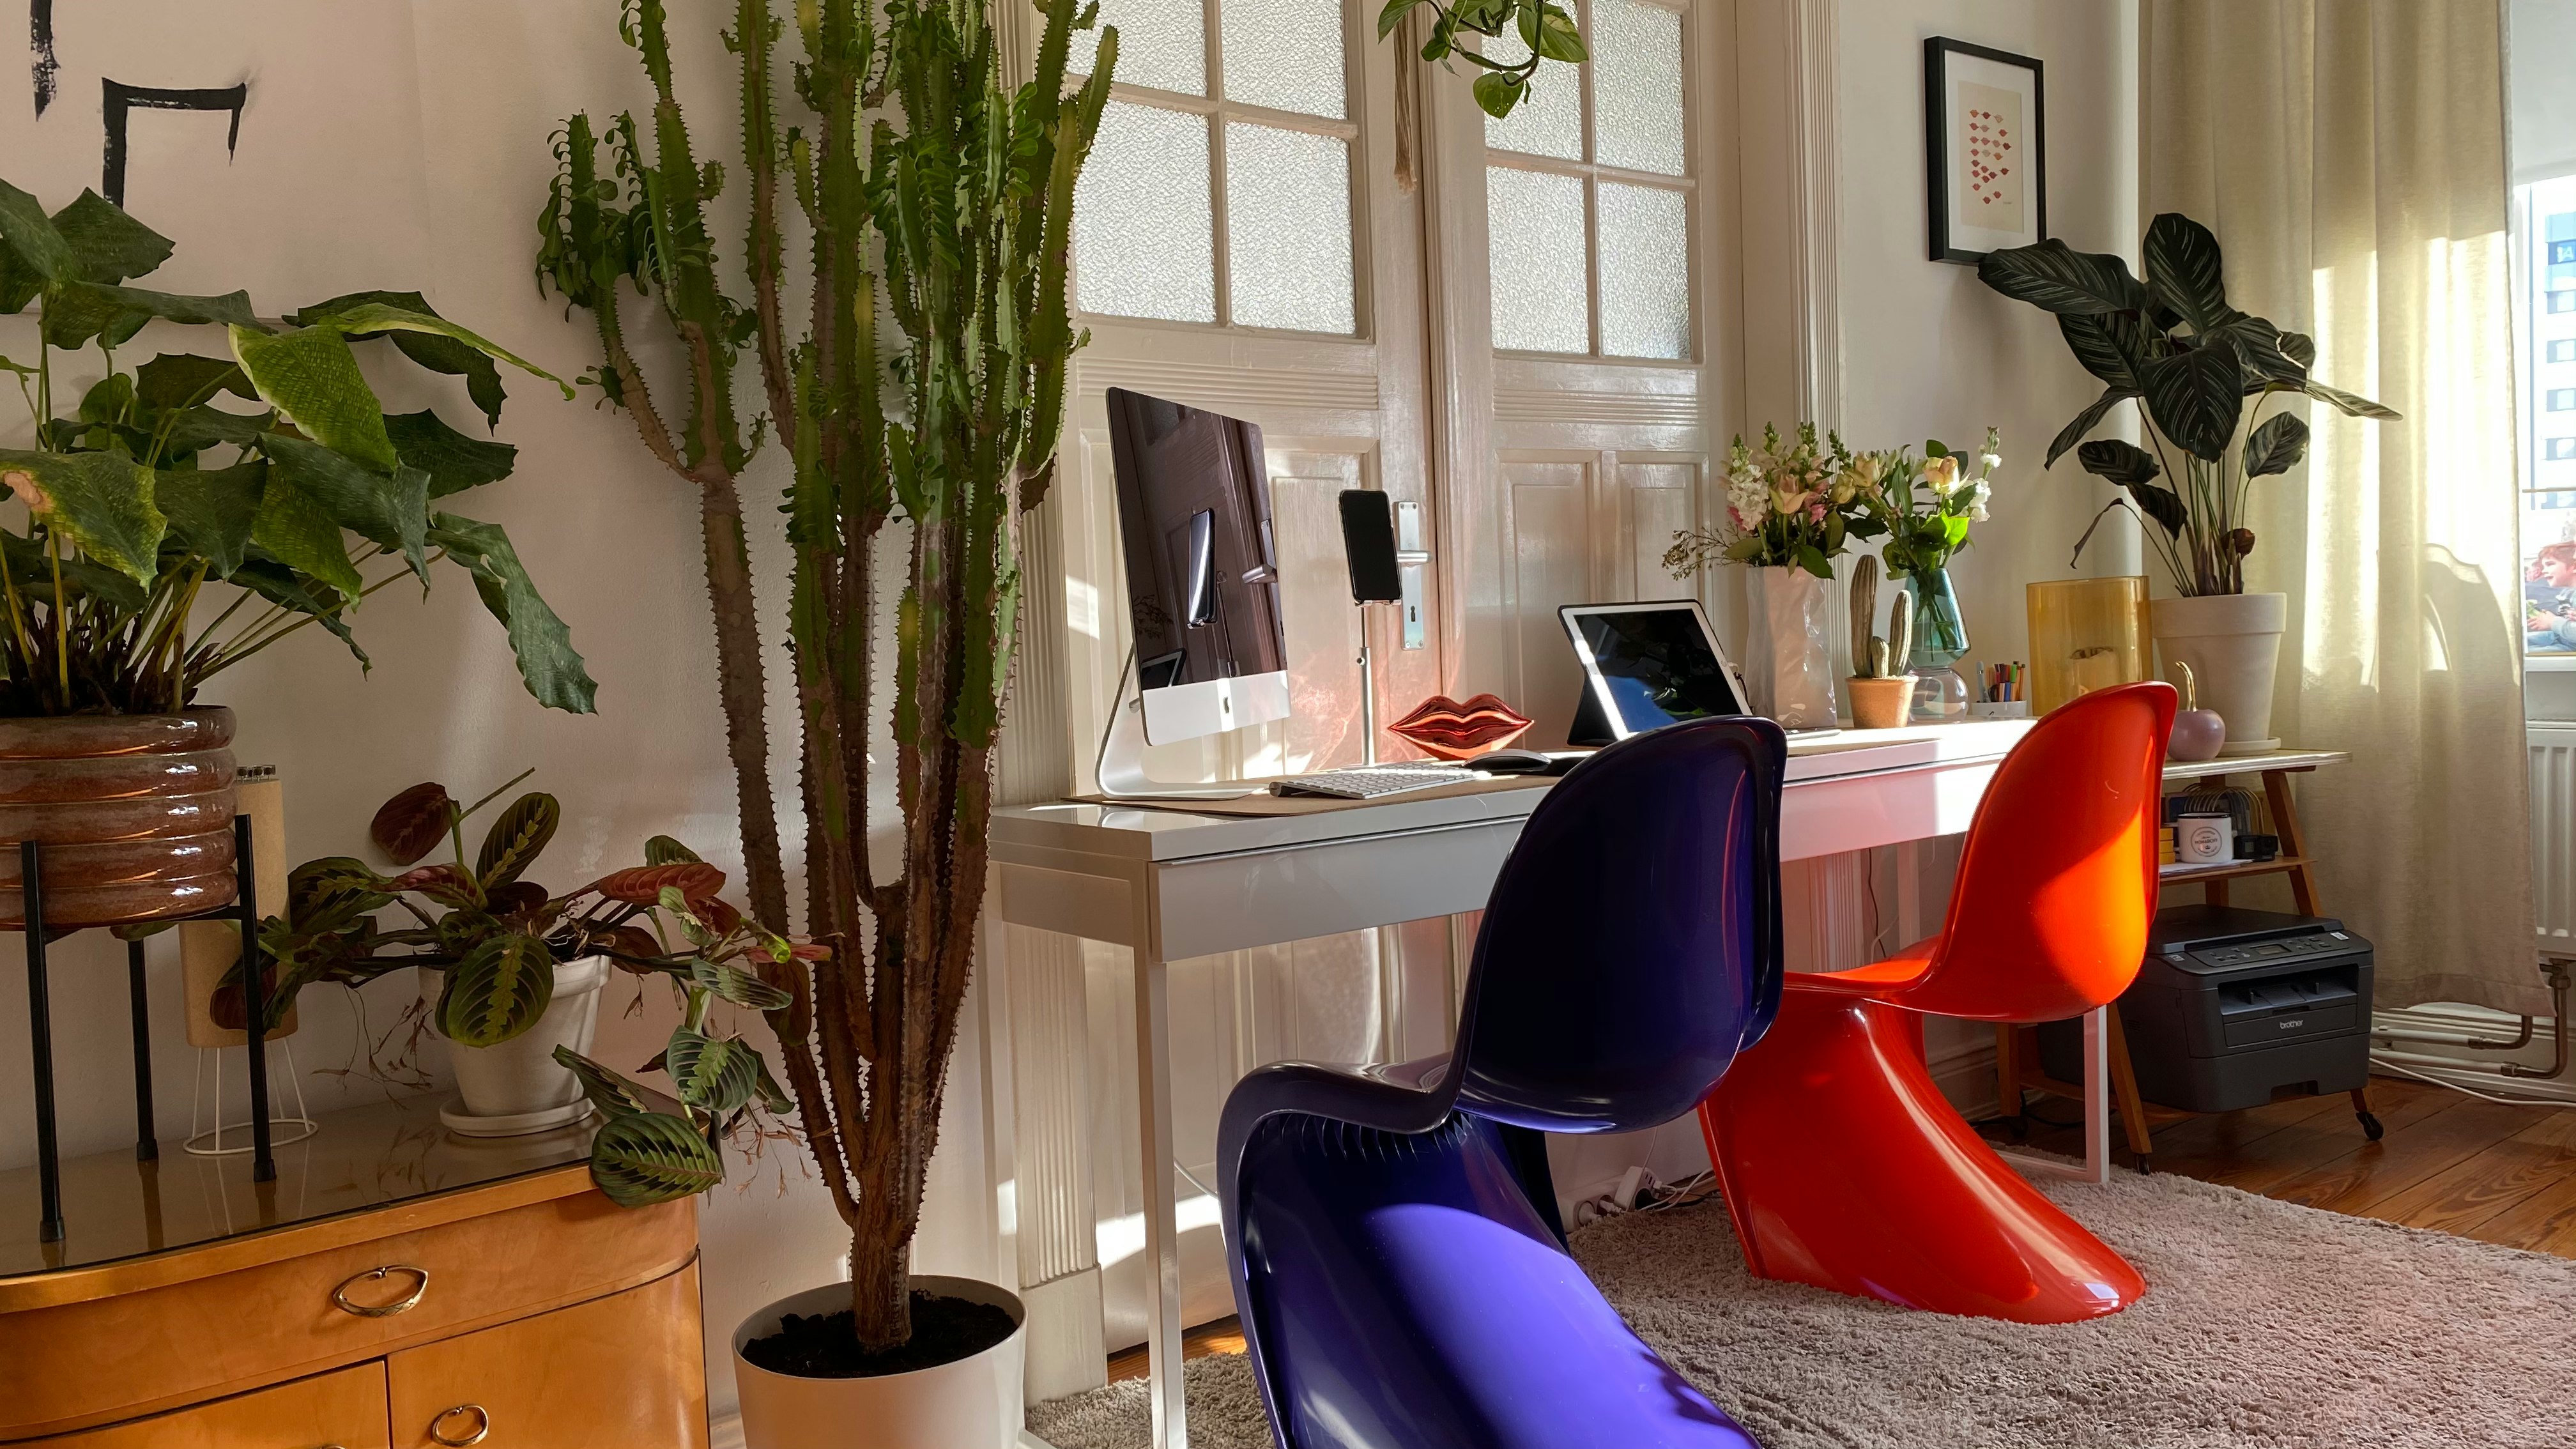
2234	1008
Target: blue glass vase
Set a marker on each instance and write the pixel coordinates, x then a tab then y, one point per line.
1940	642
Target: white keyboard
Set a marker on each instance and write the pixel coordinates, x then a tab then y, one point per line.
1371	781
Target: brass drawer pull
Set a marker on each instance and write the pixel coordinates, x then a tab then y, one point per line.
482	1425
404	1304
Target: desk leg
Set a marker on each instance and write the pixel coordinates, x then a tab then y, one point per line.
1163	1388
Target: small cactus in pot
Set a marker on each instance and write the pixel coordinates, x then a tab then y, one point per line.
1881	692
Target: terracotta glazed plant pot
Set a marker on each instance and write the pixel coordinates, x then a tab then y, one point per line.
972	1403
135	813
1880	704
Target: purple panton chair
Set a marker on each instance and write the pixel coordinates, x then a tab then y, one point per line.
1392	1231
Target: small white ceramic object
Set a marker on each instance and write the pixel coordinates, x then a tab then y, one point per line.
973	1403
2205	839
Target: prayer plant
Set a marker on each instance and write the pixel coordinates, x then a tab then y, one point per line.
2203	373
921	397
145	490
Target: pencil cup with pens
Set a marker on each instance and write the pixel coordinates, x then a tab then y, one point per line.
2003	692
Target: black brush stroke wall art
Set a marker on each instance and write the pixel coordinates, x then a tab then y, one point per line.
40	39
121	101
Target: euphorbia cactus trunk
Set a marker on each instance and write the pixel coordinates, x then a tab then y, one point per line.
968	186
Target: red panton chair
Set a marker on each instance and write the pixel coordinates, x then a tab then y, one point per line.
1842	1164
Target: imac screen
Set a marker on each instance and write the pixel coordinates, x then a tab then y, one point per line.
1658	666
1194	518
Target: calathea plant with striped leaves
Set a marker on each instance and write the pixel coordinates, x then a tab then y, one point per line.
495	937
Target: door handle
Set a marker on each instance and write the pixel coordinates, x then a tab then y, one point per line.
404	1304
482	1425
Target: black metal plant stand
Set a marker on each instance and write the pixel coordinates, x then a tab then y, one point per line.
40	1026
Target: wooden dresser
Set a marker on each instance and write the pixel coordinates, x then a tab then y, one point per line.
397	1287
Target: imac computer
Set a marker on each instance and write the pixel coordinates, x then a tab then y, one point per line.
1211	653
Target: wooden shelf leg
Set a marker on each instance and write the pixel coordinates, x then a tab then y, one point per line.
2124	1092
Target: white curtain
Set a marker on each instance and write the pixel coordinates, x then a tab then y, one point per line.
2350	155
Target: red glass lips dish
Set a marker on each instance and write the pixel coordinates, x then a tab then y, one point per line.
1453	731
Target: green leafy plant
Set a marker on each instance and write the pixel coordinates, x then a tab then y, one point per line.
147	490
495	935
1925	525
1545	30
924	396
2203	371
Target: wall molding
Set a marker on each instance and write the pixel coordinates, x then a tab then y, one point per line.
1223	388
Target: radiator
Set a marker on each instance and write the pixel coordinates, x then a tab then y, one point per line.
2553	833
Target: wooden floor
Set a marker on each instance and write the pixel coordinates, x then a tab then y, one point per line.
2449	1162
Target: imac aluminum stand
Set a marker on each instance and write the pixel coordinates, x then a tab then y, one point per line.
1122	753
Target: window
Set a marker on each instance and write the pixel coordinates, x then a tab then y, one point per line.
2561	399
2562	300
2558	449
2562	253
2563	350
1588	192
1219	190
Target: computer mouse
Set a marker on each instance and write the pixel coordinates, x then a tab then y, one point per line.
1513	762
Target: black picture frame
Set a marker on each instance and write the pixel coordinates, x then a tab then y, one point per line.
1938	171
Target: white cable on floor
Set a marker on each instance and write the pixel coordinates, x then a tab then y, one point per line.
2387	1066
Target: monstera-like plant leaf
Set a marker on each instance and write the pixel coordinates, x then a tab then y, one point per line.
2276	446
2055	277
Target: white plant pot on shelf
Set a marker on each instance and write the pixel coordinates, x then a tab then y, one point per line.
518	1087
2233	644
973	1403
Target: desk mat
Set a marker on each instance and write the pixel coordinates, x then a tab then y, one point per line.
1268	804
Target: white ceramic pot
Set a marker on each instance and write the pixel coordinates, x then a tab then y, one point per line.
973	1403
518	1087
1788	653
2233	644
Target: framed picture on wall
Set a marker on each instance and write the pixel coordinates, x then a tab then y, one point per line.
1985	149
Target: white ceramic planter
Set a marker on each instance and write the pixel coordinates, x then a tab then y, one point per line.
2233	644
518	1087
973	1403
1788	656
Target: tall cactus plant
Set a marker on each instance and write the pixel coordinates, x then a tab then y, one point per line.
932	187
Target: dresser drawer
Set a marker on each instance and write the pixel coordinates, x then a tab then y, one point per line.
343	1410
626	1372
97	1361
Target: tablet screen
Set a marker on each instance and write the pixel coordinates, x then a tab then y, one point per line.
1657	666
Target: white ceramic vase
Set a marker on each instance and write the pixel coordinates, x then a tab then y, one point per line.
1788	648
518	1087
973	1403
2233	644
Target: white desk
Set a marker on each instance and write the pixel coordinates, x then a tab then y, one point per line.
1173	885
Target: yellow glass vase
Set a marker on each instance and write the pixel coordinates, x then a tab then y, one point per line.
2085	634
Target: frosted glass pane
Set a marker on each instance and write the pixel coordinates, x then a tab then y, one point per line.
1549	120
1286	54
1288	228
1143	229
1645	272
1637	86
1161	43
1536	220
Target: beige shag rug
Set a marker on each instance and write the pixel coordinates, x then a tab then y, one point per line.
2266	1326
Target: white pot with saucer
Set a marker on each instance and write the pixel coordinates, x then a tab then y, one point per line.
2233	644
517	1087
